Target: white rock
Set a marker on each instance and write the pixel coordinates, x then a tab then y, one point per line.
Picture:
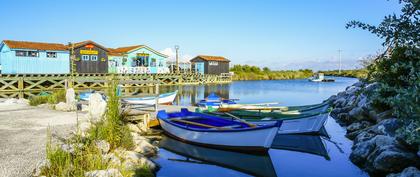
104	173
134	128
112	159
64	107
133	160
22	101
144	147
97	107
103	146
71	98
84	128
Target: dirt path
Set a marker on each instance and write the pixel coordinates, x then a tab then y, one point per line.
23	133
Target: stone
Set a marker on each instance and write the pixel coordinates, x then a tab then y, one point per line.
133	160
64	107
39	166
84	128
352	90
103	146
358	126
104	173
359	84
343	119
386	127
112	159
407	172
134	128
357	113
71	98
371	87
143	146
381	155
97	107
22	101
384	115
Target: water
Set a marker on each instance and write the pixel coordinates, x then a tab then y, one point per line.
310	155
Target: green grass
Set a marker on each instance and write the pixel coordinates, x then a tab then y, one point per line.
246	72
356	73
54	98
87	157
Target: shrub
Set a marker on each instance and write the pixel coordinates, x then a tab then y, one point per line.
54	98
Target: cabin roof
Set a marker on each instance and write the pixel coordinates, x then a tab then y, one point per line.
211	58
121	50
82	43
35	45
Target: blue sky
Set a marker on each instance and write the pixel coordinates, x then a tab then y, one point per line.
278	34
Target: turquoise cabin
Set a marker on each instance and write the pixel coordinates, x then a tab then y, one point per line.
139	59
21	57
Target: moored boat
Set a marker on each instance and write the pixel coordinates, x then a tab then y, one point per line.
209	130
166	98
214	101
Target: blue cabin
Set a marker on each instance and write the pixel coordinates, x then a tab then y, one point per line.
21	57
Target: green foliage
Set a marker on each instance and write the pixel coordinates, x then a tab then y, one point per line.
246	72
84	157
356	73
112	128
398	70
54	98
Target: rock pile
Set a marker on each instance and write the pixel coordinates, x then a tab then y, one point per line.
376	146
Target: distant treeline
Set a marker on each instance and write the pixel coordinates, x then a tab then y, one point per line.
247	72
357	73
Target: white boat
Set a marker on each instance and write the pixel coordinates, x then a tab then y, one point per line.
166	98
305	125
319	77
209	130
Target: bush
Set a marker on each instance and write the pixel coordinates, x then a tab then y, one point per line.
246	72
54	98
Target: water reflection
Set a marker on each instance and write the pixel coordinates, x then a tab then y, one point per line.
301	155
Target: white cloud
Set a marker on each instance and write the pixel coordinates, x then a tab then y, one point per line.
170	52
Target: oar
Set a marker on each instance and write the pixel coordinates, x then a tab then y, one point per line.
237	118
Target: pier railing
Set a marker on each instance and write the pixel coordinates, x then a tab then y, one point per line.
13	85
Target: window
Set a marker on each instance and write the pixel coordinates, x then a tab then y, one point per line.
24	53
153	64
94	58
21	53
213	63
51	54
85	57
33	53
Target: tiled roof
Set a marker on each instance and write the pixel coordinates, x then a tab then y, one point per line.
78	44
126	49
35	45
211	58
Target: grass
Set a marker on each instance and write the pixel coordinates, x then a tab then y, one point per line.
54	98
86	156
356	73
246	72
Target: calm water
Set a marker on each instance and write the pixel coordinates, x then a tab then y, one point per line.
296	156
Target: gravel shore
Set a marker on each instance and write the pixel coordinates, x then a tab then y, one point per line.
23	134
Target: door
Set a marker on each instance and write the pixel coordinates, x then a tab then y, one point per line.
199	67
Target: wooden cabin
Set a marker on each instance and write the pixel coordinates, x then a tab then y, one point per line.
89	57
210	64
22	57
138	59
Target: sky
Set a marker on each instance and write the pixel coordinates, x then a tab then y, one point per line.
279	34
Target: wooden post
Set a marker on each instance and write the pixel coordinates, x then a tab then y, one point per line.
157	97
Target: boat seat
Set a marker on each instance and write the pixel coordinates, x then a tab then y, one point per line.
228	127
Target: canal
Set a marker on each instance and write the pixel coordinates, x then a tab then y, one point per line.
290	156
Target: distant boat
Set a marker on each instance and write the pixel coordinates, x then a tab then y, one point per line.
252	164
319	77
214	101
166	98
209	130
84	96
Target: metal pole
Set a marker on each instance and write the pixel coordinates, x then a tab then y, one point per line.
157	97
339	61
177	59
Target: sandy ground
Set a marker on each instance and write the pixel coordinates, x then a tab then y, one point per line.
23	134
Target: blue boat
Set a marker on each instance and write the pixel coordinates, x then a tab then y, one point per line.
217	132
214	101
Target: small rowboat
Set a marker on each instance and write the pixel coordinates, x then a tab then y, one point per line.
213	131
214	101
166	98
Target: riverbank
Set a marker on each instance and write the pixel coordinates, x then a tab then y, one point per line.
246	72
355	73
379	146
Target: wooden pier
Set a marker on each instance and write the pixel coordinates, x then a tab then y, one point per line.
27	85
